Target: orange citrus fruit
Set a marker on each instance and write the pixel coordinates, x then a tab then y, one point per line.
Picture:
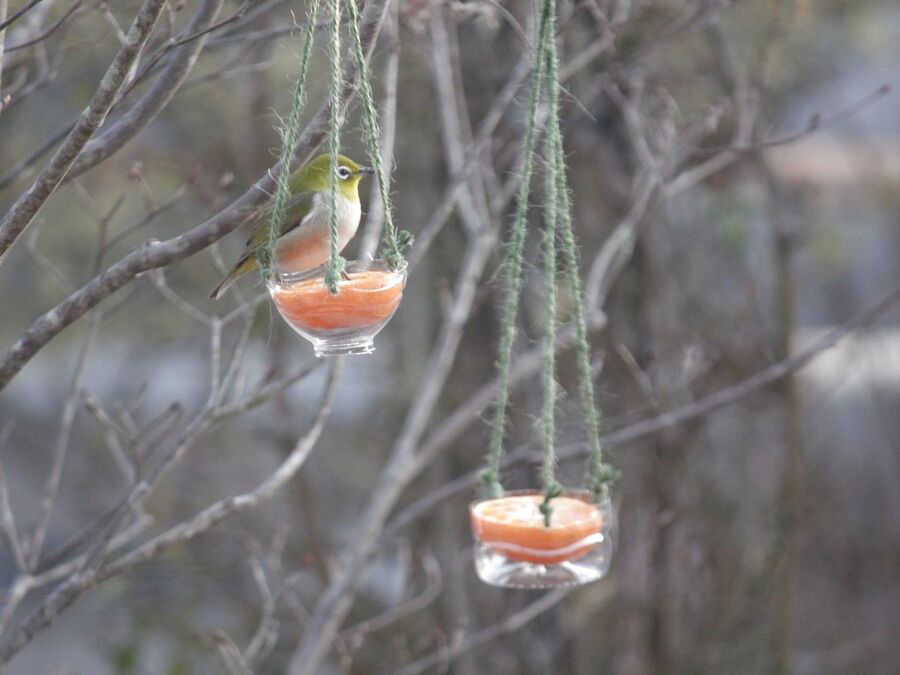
364	299
516	526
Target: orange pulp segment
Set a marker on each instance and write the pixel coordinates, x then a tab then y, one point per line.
364	299
517	522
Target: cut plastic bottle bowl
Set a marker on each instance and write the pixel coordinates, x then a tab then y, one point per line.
514	549
346	322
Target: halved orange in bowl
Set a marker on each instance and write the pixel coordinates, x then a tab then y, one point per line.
344	322
363	299
514	526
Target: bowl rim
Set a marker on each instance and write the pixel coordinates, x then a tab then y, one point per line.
574	493
284	280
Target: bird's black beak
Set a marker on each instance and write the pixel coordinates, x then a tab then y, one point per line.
365	169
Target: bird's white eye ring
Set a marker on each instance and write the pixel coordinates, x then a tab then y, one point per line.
343	173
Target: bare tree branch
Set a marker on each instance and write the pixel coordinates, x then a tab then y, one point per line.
509	624
7	520
336	601
225	508
5	23
27	206
653	425
89	576
154	253
180	63
75	6
54	476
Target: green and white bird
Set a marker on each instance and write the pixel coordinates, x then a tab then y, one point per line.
303	241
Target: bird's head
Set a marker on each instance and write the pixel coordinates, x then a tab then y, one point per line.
316	176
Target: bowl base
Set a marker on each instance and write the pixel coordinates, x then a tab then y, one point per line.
497	569
343	345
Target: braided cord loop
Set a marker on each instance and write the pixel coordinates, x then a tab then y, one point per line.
394	242
335	261
490	476
558	228
289	131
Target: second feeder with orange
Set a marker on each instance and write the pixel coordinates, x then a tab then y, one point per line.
514	526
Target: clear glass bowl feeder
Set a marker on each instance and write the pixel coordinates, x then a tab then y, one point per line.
345	323
514	549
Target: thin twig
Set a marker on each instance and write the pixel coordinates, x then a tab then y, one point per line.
4	6
653	425
54	475
7	520
5	23
355	635
115	135
229	654
47	33
336	601
510	624
155	254
267	631
26	207
226	508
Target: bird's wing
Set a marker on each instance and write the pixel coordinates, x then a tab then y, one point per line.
297	208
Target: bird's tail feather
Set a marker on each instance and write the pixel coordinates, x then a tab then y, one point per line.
244	265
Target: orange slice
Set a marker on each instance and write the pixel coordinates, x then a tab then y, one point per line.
364	299
515	526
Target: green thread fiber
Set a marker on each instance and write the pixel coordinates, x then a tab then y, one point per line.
289	132
335	261
600	475
513	272
393	243
557	222
551	486
548	413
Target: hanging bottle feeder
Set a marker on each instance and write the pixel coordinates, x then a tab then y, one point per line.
514	547
549	537
346	322
340	306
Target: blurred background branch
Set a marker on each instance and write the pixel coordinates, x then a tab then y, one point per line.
171	497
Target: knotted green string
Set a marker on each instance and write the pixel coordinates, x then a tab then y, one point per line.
335	261
552	488
393	243
557	221
490	476
289	131
600	474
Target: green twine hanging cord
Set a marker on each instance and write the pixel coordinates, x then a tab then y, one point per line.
557	221
394	242
600	474
513	271
335	261
551	486
289	132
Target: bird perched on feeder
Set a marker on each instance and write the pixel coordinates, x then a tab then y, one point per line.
304	233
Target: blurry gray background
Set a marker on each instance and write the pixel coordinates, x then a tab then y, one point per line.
760	538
